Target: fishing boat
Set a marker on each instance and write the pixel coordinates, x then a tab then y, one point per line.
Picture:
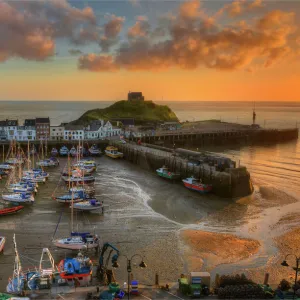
73	151
36	279
113	152
2	243
165	173
20	197
94	150
54	152
196	185
63	151
10	210
77	269
88	205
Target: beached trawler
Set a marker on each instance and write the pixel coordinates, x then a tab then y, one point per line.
113	152
63	151
94	150
76	269
165	173
36	279
196	185
2	243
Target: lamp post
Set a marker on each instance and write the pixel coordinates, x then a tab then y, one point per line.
285	264
142	265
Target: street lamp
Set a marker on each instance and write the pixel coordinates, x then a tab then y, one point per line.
142	265
285	264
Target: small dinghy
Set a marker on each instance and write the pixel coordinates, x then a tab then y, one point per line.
10	211
21	198
2	243
88	205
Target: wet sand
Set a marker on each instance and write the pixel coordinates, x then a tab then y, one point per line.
206	250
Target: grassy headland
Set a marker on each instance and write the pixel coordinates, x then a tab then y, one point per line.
141	111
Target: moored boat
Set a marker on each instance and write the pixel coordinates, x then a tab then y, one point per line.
78	241
165	173
68	198
88	205
10	210
73	151
2	243
113	152
20	197
78	268
6	166
196	185
94	150
54	152
63	151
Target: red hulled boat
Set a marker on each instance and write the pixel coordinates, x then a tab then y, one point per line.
11	210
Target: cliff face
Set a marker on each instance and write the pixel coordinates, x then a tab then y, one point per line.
141	111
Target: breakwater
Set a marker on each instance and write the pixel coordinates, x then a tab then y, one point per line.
231	182
220	137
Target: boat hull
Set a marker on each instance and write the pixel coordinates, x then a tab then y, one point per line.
198	188
10	211
168	175
79	246
112	155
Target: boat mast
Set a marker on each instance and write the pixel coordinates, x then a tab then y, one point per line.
3	153
19	163
33	150
69	171
46	146
17	265
42	149
50	260
72	208
28	155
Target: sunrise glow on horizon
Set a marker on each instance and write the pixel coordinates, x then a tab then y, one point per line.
172	51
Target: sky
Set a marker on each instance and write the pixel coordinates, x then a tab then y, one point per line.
170	50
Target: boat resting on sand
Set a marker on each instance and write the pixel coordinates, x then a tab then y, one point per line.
165	173
194	184
113	152
88	205
10	210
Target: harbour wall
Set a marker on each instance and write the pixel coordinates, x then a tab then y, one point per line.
222	137
231	183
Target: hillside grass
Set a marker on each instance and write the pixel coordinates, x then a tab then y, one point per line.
142	112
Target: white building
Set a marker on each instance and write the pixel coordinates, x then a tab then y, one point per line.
25	133
8	128
57	133
73	132
98	130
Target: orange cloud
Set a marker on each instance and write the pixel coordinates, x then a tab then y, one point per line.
140	28
190	43
28	29
111	31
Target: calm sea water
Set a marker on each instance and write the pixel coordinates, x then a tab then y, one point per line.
269	114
